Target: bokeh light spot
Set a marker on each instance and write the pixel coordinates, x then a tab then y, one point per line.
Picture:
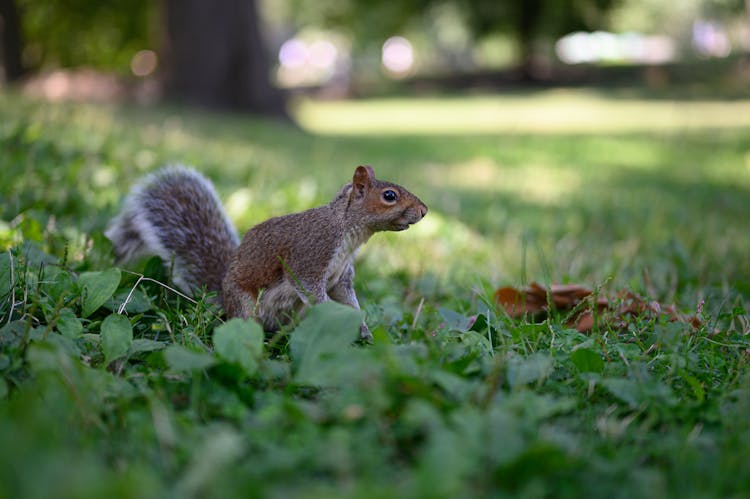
398	55
144	62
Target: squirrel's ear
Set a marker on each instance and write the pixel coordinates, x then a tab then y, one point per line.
362	180
364	174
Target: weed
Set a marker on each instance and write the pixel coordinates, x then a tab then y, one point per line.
114	384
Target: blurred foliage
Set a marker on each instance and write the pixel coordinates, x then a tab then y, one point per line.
103	35
527	22
457	406
106	35
377	20
655	16
456	25
547	18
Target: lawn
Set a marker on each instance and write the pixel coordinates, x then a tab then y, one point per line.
115	386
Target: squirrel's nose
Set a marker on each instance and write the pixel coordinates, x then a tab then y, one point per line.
422	211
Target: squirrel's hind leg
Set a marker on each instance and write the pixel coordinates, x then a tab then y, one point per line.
343	292
236	301
276	305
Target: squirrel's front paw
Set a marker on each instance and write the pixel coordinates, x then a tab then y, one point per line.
364	333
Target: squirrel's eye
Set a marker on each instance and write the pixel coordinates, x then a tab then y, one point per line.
389	196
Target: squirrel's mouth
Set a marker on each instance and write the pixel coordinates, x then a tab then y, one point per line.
404	223
406	220
399	226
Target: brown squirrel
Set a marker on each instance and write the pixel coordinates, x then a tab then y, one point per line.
282	264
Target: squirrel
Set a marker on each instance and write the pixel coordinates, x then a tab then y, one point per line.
281	265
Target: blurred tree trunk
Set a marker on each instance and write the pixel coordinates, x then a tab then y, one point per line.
10	40
215	57
526	29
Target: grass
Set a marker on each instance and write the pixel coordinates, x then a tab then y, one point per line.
552	112
453	398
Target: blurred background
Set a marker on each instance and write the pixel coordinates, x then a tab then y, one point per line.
253	55
565	140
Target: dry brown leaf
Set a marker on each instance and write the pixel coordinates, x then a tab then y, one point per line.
535	299
514	301
585	322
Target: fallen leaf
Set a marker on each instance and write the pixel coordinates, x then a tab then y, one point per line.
516	302
585	322
536	299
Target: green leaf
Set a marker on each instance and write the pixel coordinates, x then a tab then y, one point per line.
457	387
477	340
220	447
535	367
481	324
3	388
56	282
138	301
13	333
69	325
587	360
536	407
456	321
117	335
180	358
5	273
67	345
35	256
321	340
626	390
97	288
504	440
240	342
695	384
47	356
140	345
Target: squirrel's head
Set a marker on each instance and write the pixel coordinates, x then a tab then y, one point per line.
383	205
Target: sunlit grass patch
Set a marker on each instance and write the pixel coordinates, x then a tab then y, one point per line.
551	112
543	184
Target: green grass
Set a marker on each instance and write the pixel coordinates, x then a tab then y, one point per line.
453	399
551	112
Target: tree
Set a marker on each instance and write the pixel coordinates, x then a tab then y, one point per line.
527	21
215	56
531	20
212	52
11	41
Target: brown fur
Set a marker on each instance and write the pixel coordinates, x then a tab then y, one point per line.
282	264
289	261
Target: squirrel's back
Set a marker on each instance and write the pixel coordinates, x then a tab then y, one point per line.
175	214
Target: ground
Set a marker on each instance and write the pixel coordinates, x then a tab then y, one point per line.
616	190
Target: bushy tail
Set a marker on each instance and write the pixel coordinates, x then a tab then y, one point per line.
175	213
